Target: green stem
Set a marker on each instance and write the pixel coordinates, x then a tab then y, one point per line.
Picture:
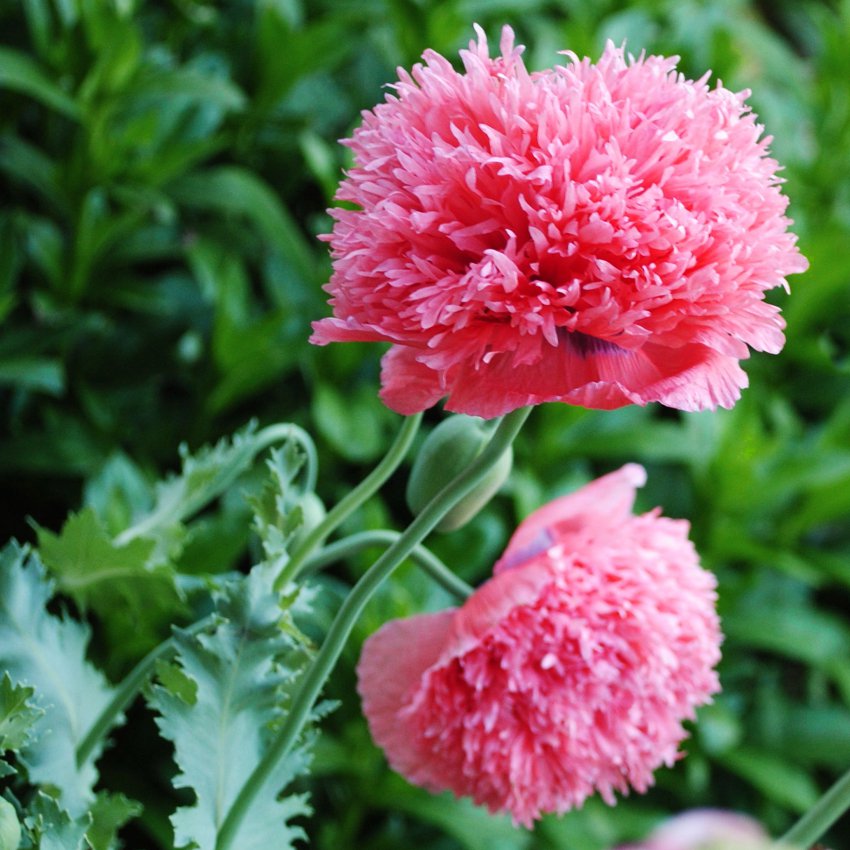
127	689
820	817
421	556
351	501
315	677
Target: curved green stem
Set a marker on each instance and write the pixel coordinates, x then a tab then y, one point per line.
315	677
834	803
127	689
351	501
421	556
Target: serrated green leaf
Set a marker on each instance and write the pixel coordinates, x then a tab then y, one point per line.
241	670
131	590
18	716
52	828
178	683
277	514
119	493
108	814
204	476
49	654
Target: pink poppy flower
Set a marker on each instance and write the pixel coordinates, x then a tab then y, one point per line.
568	672
598	234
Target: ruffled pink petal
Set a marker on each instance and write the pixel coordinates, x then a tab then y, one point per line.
343	330
602	504
491	603
407	386
601	376
391	666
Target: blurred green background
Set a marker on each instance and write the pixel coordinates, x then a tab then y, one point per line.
165	169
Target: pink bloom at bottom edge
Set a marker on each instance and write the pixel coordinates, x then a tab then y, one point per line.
569	672
710	829
706	829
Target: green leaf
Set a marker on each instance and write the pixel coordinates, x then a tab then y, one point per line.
127	586
49	654
17	719
472	826
797	632
29	165
352	422
250	352
20	73
108	814
203	477
277	512
36	374
230	190
46	248
242	671
118	59
188	83
119	493
774	777
52	828
17	714
286	55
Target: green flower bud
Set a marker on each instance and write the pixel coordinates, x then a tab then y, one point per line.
450	448
312	513
10	828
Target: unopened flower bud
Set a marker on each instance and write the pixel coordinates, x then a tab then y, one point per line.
449	449
10	827
312	513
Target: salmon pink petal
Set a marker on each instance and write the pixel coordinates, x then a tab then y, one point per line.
406	385
595	508
493	601
600	376
391	665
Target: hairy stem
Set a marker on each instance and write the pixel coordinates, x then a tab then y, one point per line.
421	556
315	677
127	690
351	501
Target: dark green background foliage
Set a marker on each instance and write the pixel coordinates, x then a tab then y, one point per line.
165	169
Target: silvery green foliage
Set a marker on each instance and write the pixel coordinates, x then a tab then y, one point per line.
220	703
48	654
